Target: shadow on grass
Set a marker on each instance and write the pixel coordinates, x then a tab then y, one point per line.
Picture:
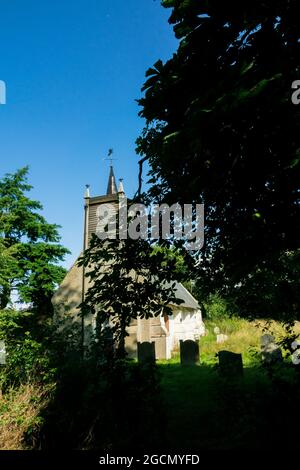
170	408
207	412
112	408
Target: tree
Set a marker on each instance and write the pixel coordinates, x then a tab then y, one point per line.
29	247
221	129
272	290
129	279
7	266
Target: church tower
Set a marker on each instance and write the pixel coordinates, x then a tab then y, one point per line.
71	292
92	204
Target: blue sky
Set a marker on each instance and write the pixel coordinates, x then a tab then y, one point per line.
73	69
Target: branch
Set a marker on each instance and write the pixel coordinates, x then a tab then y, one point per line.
140	177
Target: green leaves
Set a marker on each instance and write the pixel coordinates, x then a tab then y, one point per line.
221	129
128	280
29	249
27	358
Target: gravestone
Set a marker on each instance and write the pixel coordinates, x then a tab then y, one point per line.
189	352
267	339
296	353
146	352
222	338
270	351
2	353
216	330
230	364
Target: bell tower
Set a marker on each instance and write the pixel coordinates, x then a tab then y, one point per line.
91	204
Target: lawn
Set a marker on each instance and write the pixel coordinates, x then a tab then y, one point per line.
205	411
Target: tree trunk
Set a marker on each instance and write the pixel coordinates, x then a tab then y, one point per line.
121	352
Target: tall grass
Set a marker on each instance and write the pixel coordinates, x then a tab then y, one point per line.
19	416
243	337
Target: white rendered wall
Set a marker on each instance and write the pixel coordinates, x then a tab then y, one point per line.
186	324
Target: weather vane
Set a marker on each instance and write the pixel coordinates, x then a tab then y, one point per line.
109	156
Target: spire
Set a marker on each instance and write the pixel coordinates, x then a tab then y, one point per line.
111	186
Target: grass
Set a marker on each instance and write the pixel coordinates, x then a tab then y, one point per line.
19	415
243	337
189	395
203	412
193	408
206	412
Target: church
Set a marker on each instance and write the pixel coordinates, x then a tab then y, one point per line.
165	331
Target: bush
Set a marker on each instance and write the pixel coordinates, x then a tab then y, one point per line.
216	307
27	358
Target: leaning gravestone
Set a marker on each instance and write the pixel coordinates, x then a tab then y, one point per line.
2	353
146	352
230	364
189	352
270	351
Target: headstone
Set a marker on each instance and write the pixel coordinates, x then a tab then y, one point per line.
270	351
2	353
216	330
222	338
189	352
230	364
296	353
146	352
267	339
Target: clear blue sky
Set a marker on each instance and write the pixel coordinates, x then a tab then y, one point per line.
73	69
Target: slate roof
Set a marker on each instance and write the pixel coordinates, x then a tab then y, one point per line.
188	300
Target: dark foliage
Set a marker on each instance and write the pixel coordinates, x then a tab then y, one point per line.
104	407
222	130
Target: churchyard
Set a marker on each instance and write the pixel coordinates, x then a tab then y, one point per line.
179	407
